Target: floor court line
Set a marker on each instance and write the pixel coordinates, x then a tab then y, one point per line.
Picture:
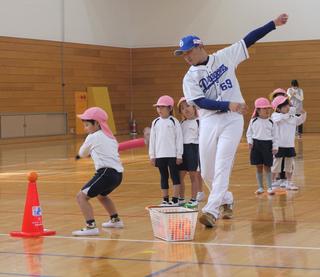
189	242
156	273
175	263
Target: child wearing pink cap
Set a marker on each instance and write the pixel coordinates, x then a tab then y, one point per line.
190	158
286	124
166	148
262	141
102	146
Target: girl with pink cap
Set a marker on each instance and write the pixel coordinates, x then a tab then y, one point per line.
166	148
262	141
102	146
286	124
190	158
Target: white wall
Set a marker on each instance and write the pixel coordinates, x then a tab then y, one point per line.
220	21
145	23
39	19
102	22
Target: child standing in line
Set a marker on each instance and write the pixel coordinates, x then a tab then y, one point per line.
262	141
166	148
102	146
295	94
190	158
286	124
280	92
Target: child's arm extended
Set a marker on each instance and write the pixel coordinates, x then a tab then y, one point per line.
277	117
85	148
302	118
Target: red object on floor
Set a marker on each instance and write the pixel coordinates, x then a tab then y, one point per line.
32	220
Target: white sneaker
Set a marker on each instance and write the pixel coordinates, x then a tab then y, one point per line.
291	186
283	183
259	191
270	191
86	232
200	196
276	183
112	223
182	201
191	204
171	204
164	204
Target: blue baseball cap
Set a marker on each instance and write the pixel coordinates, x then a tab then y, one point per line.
187	43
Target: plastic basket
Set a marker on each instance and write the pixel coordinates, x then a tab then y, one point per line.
173	223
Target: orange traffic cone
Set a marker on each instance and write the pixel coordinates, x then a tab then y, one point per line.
32	219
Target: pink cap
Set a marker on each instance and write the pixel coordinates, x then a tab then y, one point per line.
165	100
97	114
278	101
277	91
261	103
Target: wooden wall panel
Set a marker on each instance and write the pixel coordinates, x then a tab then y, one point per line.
271	65
32	73
88	65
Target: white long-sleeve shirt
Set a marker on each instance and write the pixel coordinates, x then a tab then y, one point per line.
103	151
286	127
190	131
166	139
262	129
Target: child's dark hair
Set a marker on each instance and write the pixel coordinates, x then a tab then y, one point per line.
171	110
285	103
89	120
256	113
294	83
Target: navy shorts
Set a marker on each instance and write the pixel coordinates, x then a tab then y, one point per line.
103	182
287	152
190	157
261	153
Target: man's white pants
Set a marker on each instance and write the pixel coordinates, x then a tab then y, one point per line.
219	138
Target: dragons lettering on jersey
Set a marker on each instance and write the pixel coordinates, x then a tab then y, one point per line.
206	83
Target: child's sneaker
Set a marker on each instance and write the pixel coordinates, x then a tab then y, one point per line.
270	191
164	203
276	183
226	211
283	183
291	186
200	196
87	231
182	201
208	220
191	204
172	204
113	223
259	191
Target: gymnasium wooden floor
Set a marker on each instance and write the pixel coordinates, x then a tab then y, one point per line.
269	236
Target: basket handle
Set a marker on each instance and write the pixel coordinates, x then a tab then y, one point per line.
153	206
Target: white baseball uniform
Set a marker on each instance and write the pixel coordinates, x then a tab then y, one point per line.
220	133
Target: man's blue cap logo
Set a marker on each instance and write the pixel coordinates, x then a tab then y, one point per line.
187	43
